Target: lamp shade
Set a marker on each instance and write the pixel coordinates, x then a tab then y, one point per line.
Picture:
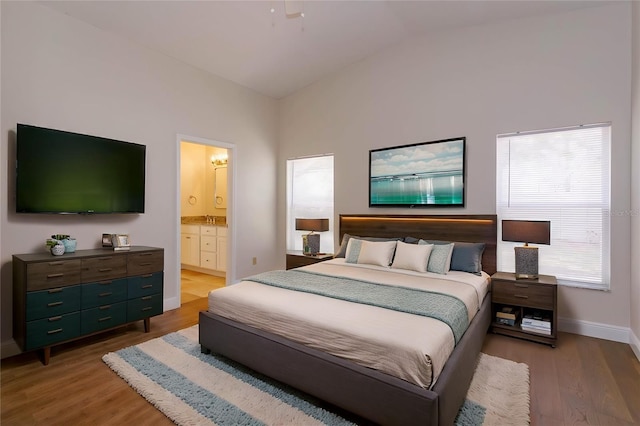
317	225
527	231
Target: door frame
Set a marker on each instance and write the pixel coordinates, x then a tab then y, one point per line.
231	203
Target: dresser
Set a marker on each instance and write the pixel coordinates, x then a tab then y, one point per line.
61	298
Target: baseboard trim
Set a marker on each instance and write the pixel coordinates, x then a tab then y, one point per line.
594	329
634	343
9	348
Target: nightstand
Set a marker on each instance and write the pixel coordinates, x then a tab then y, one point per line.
296	259
532	301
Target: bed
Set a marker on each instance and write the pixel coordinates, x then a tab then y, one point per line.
370	390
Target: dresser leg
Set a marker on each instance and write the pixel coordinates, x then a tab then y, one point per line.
147	324
46	354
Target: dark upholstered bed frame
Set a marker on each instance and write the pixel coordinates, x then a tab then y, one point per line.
365	392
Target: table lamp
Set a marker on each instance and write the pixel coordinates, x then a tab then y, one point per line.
527	231
311	241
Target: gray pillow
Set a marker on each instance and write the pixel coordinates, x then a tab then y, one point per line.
346	237
467	257
440	258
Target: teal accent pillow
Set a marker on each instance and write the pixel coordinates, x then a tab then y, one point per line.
440	258
352	255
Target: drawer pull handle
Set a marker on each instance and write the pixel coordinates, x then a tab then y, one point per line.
147	276
58	318
104	307
147	308
145	264
108	293
521	296
55	275
521	285
104	258
105	282
145	254
105	269
57	330
56	263
52	304
104	319
147	298
148	286
55	290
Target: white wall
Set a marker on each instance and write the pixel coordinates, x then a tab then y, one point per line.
635	185
526	74
61	73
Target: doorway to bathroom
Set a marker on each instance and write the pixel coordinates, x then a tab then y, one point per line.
205	207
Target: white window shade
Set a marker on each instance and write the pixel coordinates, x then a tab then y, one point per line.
563	176
310	196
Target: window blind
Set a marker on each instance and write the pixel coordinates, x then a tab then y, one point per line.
560	175
310	196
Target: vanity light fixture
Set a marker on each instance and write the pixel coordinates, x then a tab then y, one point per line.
219	160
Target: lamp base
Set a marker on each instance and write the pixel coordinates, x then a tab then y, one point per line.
526	263
311	244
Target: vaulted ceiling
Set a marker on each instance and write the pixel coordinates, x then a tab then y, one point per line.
275	53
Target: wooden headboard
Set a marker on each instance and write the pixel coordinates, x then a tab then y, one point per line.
462	228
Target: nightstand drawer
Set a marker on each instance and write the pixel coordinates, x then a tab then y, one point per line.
523	294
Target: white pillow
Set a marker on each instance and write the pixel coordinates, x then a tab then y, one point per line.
369	252
413	257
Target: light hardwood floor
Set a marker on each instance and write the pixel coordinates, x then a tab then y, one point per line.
582	381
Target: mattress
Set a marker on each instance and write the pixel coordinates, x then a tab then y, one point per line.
411	347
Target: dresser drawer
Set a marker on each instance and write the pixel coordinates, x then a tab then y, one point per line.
144	307
53	302
43	275
48	331
523	294
145	285
103	317
145	262
104	293
104	268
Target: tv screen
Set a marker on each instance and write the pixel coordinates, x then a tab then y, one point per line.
419	175
63	172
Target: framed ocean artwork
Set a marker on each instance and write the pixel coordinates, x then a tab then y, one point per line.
425	174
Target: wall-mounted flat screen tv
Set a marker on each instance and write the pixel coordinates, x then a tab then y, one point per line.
64	172
424	174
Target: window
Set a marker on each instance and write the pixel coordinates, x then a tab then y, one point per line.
560	175
310	196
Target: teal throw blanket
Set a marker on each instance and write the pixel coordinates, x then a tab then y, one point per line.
443	307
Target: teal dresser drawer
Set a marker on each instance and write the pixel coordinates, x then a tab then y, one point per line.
104	293
103	317
48	331
144	307
53	302
145	285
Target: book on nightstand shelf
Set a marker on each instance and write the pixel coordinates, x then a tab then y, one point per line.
507	315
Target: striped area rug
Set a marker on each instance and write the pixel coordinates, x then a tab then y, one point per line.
192	388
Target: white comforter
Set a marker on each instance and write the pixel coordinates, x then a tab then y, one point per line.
411	347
